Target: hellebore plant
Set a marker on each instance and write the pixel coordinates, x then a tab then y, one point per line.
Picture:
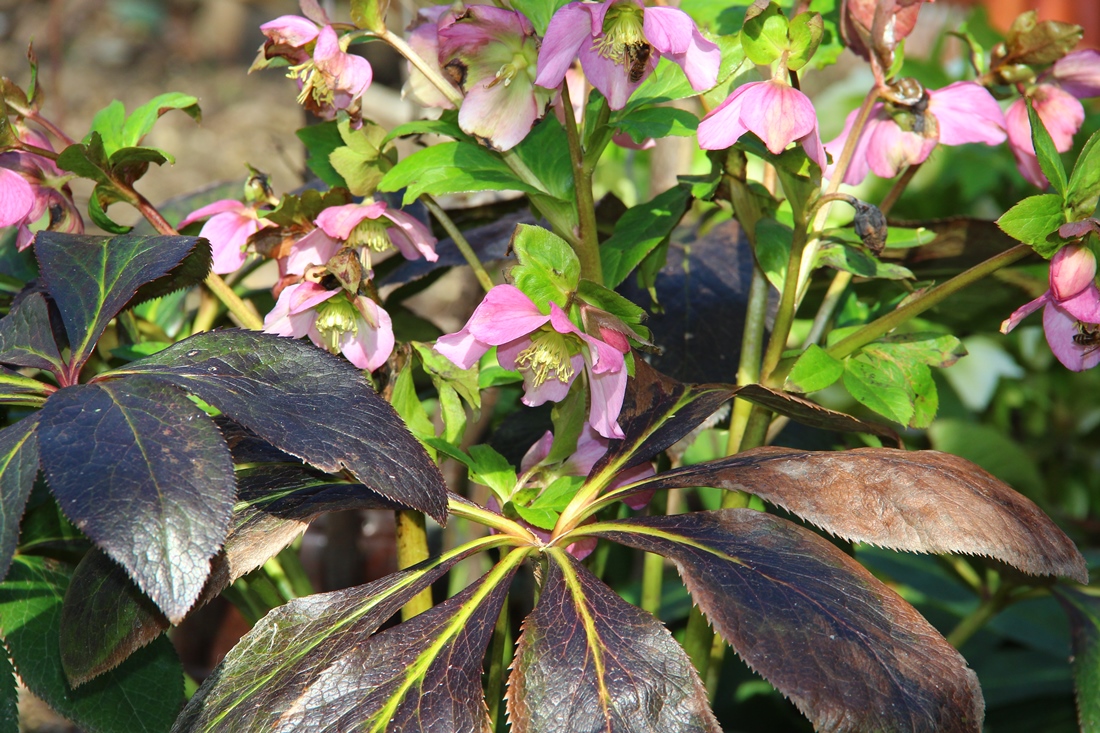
619	43
185	442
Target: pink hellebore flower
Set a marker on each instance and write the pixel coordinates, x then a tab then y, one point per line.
491	53
1075	76
547	349
423	37
1071	308
376	226
619	43
228	228
355	326
32	186
778	113
899	135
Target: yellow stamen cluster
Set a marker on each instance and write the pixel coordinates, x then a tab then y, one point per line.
336	317
314	84
509	71
372	234
547	356
622	31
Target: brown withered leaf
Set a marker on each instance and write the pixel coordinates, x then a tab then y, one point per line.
918	501
105	617
810	413
589	661
846	649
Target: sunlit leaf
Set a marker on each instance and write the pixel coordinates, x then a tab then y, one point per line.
847	650
918	501
18	469
315	662
639	231
308	403
106	618
141	696
146	475
589	661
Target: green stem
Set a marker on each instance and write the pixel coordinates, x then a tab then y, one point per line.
980	616
412	547
498	664
784	317
588	248
460	241
601	138
503	525
698	638
898	189
653	566
752	346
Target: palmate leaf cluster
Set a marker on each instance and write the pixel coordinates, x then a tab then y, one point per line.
149	477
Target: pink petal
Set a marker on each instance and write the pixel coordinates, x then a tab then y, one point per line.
607	390
967	113
339	221
218	207
1078	229
700	61
291	30
551	390
343	71
890	148
293	314
623	140
723	127
1060	328
313	249
1079	73
611	78
372	343
1029	167
461	348
1084	306
858	167
505	315
1072	269
568	31
1024	311
16	198
669	30
424	39
228	233
501	114
779	114
410	236
537	453
307	296
1061	114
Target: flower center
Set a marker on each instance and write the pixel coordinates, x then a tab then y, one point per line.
370	233
547	356
336	316
624	38
508	71
314	84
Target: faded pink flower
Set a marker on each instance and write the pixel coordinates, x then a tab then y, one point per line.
896	135
776	112
548	350
619	43
491	54
1070	307
423	37
335	320
32	186
228	228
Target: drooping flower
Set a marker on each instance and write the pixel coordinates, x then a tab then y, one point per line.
491	53
329	78
228	228
1071	308
1055	99
548	350
778	113
619	43
336	320
376	226
898	135
32	186
423	37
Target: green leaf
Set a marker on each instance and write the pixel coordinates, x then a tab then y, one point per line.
108	123
806	616
141	696
773	250
447	124
318	662
88	160
911	354
658	122
308	403
144	117
408	405
856	261
588	660
452	167
92	278
666	84
537	516
1084	182
442	370
559	493
545	151
361	161
806	31
764	35
639	231
320	141
925	501
105	618
548	269
1084	618
1050	162
370	14
26	338
814	370
18	470
146	475
880	385
491	469
9	696
810	413
1035	221
538	12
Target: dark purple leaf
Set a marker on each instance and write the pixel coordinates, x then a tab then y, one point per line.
589	661
657	412
847	650
810	413
146	475
309	403
26	337
106	618
316	664
92	278
918	501
18	469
